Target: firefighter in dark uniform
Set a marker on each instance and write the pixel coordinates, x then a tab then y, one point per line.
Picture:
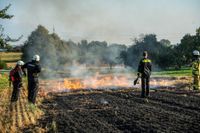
15	77
144	71
33	70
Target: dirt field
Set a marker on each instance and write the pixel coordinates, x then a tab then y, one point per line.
167	109
121	111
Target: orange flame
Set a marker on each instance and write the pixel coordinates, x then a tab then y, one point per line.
97	82
73	84
103	81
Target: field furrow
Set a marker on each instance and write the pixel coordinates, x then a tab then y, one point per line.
16	116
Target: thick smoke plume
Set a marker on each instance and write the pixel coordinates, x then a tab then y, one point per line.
61	58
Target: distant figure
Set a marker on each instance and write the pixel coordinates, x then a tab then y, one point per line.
144	71
15	77
196	70
33	69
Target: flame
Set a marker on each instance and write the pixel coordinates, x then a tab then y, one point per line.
103	82
73	84
97	82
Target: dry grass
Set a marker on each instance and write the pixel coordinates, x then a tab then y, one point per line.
10	58
4	54
11	64
19	115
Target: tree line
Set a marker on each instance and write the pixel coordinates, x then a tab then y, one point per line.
56	53
163	54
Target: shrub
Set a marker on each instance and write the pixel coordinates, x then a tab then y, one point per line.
3	65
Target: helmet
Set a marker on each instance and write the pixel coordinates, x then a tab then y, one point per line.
196	52
36	58
145	53
20	63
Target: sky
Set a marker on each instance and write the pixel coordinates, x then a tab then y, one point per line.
114	21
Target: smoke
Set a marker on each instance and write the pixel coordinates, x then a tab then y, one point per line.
115	21
60	58
77	20
80	19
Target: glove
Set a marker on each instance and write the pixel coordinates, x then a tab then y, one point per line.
138	74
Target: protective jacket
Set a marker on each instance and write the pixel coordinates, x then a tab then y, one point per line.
196	67
196	74
33	68
144	67
15	74
16	78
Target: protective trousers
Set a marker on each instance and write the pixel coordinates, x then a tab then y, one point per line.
33	87
196	82
145	86
16	90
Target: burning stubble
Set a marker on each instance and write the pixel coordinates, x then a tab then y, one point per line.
104	82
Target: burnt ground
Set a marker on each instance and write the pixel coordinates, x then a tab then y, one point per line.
121	111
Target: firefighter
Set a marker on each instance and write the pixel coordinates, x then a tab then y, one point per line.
33	70
196	70
15	77
144	71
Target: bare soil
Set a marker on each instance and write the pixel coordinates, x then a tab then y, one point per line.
122	110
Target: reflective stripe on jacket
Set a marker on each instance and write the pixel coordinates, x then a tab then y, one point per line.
145	67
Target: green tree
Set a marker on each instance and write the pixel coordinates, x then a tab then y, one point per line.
3	13
4	40
42	43
184	50
165	42
161	52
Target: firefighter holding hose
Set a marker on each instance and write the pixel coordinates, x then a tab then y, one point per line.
15	77
196	70
33	70
144	71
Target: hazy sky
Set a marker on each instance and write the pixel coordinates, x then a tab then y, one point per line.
115	21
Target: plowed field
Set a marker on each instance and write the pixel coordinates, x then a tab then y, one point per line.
103	110
121	111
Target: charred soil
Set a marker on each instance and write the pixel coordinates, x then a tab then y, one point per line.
120	111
